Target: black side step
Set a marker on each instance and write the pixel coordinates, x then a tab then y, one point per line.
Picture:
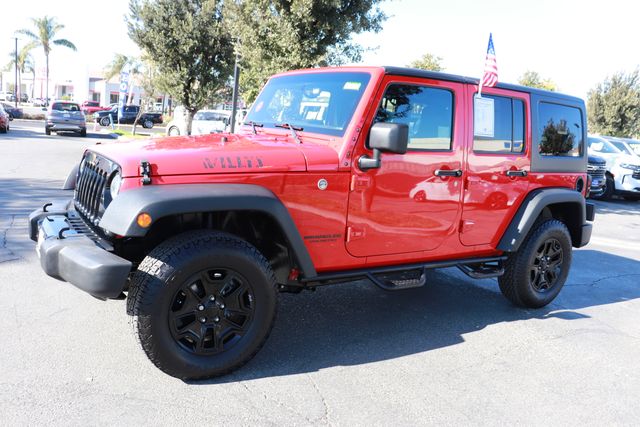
399	282
393	277
482	271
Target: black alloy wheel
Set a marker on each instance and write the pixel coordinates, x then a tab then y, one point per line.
211	311
535	274
203	304
547	265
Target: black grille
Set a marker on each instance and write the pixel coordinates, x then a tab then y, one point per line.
596	171
93	177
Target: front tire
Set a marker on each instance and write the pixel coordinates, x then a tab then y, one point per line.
609	189
535	274
47	131
203	304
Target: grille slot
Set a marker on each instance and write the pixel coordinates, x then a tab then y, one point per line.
90	186
596	171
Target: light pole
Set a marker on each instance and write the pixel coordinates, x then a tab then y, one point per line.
234	96
15	86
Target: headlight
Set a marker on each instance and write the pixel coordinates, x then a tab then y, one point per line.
629	166
116	182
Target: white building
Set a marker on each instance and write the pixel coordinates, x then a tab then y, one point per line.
85	85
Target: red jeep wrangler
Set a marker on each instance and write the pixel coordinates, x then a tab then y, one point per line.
337	175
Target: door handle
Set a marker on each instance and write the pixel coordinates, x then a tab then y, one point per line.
519	172
446	172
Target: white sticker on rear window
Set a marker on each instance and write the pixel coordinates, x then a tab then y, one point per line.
352	86
483	120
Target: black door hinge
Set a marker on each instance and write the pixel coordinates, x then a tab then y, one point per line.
145	172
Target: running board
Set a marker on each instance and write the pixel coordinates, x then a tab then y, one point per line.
478	268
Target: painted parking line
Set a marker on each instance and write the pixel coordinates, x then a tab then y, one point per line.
614	243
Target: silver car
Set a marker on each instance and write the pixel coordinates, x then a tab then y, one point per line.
65	116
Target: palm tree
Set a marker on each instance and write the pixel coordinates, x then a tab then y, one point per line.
45	35
25	64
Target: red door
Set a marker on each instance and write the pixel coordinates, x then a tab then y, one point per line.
496	177
412	202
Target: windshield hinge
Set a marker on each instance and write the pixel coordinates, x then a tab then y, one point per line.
145	172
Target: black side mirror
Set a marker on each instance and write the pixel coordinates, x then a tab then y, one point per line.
385	137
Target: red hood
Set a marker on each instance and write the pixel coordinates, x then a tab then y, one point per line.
206	154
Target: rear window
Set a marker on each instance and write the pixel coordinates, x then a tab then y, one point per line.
65	106
560	130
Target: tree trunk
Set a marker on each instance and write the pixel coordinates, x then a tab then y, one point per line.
189	123
46	97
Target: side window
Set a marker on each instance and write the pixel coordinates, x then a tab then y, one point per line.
428	112
559	130
503	130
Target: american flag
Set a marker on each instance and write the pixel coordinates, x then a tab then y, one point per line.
490	77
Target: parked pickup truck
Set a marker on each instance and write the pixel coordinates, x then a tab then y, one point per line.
336	175
147	120
91	107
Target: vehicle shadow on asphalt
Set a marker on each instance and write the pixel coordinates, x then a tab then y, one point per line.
355	324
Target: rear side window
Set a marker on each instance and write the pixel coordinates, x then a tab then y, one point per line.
428	112
559	130
505	133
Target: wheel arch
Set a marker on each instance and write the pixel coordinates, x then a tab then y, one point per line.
563	204
182	207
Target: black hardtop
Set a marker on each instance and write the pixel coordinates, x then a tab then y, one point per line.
435	75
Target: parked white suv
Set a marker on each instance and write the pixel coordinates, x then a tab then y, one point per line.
204	122
623	169
6	96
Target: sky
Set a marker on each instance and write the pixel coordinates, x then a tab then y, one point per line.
577	44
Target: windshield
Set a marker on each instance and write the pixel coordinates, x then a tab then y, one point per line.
621	146
635	146
602	146
316	102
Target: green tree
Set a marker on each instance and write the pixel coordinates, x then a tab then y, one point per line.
44	35
614	105
280	35
428	61
190	45
533	79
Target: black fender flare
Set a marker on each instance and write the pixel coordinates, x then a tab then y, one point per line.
160	201
531	208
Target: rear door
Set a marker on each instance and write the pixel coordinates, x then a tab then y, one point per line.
498	163
412	202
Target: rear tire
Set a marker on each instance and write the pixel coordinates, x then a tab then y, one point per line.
83	132
535	274
47	131
203	304
105	121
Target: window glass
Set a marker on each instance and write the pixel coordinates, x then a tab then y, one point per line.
506	133
316	102
559	130
427	111
600	145
64	106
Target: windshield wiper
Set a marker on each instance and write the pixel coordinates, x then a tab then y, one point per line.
254	125
293	130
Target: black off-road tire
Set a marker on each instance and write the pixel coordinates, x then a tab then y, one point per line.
166	276
609	189
520	284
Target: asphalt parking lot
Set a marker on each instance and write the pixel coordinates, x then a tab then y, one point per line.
454	352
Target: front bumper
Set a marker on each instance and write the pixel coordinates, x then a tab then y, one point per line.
70	251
